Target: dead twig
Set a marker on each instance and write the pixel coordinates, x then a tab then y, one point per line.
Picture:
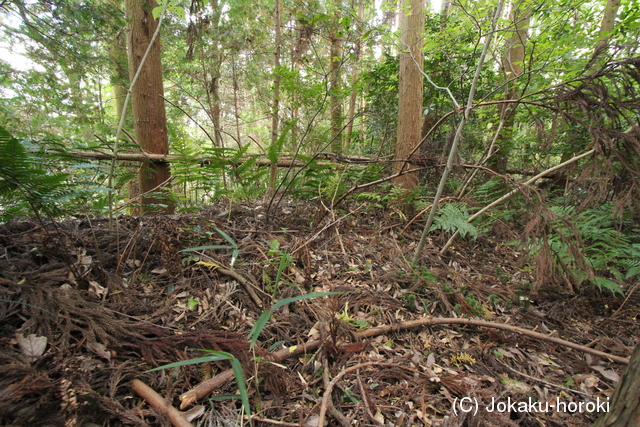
158	402
366	400
246	284
614	315
327	403
331	224
544	382
206	387
430	321
326	399
270	421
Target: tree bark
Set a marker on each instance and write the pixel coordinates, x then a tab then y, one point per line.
120	83
410	90
273	172
354	79
213	65
512	67
236	109
213	98
625	403
606	27
334	90
149	116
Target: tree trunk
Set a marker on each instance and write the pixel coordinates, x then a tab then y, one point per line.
273	172
149	116
354	79
213	65
512	66
606	27
625	403
335	95
213	97
236	109
298	49
293	103
120	83
410	90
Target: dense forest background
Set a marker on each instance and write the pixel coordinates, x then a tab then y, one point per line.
395	106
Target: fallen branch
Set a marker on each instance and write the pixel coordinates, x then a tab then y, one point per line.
246	284
430	321
546	173
206	387
158	402
284	160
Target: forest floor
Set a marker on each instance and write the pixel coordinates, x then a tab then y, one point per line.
85	311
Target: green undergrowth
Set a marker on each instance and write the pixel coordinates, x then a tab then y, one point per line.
594	246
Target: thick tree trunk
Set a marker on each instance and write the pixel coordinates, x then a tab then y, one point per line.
149	116
606	27
625	403
410	90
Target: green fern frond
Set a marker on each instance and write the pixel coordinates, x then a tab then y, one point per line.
24	178
603	283
238	154
453	217
245	166
489	190
274	149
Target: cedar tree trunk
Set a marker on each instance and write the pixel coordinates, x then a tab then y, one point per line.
410	89
149	116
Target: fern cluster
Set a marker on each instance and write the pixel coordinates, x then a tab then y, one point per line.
27	184
454	217
225	172
606	256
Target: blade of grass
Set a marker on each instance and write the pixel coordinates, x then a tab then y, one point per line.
227	238
242	387
213	356
204	248
266	315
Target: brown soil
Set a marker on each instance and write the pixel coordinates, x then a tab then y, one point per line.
114	304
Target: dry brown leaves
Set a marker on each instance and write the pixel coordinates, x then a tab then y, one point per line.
85	310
